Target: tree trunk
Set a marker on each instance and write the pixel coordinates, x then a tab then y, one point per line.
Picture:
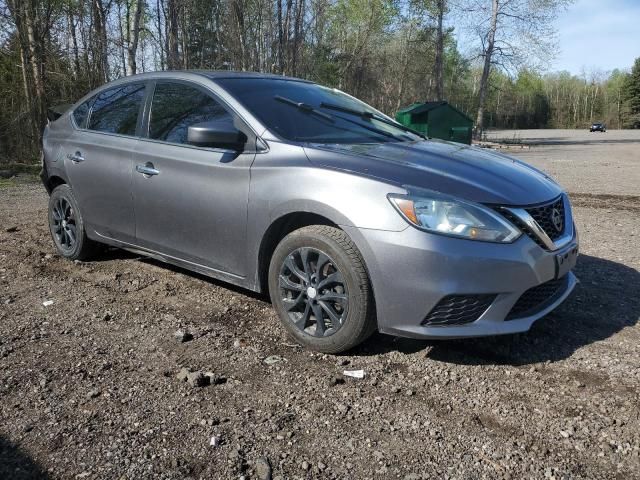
404	61
25	78
618	102
280	39
100	48
173	60
486	70
123	41
16	9
35	61
439	66
85	38
298	36
74	43
134	35
184	38
239	14
594	91
24	16
159	10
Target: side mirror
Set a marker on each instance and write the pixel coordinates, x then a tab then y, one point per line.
216	134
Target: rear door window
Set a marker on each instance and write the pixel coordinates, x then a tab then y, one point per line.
116	110
176	106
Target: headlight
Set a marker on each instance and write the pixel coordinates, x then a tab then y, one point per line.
438	213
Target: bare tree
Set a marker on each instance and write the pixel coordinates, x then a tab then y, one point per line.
100	43
173	57
488	48
33	22
71	25
511	33
133	34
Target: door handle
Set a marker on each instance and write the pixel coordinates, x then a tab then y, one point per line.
147	169
75	157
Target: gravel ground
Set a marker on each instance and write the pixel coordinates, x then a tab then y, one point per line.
91	385
584	162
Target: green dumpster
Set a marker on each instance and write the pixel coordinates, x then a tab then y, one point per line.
437	120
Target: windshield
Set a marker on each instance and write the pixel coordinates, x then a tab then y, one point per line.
305	112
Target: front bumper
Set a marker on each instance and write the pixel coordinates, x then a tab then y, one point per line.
411	271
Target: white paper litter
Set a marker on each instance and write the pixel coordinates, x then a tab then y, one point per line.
354	373
215	441
47	303
273	359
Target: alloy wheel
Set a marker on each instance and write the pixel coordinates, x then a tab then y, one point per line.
64	224
313	292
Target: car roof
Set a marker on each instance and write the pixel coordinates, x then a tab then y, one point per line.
218	74
214	75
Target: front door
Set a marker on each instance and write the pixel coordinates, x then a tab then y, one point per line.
190	202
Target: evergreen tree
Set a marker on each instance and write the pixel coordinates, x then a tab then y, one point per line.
631	112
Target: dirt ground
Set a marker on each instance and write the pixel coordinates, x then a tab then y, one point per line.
89	387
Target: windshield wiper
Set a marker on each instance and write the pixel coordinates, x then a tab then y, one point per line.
304	107
370	115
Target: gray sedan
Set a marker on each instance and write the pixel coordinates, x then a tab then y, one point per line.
352	222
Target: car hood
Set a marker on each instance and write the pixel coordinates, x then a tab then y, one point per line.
471	173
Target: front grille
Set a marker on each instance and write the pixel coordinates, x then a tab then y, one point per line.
458	310
544	215
538	298
522	226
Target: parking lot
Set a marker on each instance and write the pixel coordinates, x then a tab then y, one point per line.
89	387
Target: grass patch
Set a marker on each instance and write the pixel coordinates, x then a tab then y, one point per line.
8	182
22	179
19	174
29	168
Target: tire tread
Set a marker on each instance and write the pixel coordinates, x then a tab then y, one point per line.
366	327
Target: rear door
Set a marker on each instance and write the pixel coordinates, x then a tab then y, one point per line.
193	206
99	160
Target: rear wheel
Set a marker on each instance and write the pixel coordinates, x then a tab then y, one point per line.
67	227
320	289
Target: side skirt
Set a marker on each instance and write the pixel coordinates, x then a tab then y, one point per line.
178	262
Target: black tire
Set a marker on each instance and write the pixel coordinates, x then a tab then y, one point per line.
356	308
67	227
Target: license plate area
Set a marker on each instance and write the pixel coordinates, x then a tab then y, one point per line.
566	260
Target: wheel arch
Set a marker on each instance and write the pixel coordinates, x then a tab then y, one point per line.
287	223
54	181
277	230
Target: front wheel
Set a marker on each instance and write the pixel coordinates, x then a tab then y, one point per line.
320	288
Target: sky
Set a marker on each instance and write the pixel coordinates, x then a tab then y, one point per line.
598	35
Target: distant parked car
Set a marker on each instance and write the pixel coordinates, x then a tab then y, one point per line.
598	127
351	221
